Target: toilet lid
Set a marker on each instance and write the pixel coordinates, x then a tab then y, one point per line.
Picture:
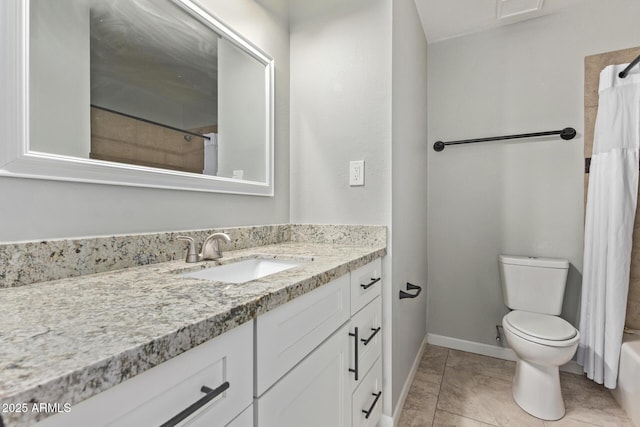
541	326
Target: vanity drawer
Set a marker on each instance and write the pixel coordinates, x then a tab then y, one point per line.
366	284
368	323
284	336
157	395
366	404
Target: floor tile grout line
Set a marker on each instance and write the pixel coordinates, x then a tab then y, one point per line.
468	417
446	360
473	372
461	415
575	419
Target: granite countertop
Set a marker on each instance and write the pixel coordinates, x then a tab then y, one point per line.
66	340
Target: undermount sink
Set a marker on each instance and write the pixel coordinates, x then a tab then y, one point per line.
245	270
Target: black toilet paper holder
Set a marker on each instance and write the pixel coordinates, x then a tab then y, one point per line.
410	287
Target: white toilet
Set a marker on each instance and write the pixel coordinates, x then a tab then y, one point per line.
534	289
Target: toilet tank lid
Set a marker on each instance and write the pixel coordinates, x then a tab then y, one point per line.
534	261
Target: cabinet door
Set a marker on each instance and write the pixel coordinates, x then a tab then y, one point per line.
314	393
286	335
243	420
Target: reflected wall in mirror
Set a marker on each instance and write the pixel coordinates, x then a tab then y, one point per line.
151	86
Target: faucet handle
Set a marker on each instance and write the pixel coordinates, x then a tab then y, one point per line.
192	255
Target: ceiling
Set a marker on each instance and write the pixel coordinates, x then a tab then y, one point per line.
445	19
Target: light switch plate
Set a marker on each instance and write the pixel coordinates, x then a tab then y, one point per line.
356	173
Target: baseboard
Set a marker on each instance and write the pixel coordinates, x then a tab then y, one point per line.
489	350
472	347
387	421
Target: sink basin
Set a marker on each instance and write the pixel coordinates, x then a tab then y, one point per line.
244	271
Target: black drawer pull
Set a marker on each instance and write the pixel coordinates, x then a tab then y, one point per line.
371	283
410	287
208	397
373	405
355	369
375	331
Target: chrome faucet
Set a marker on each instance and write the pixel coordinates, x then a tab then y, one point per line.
210	248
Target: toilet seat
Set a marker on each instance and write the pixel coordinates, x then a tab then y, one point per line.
539	328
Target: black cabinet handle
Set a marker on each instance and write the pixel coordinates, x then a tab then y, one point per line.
355	342
375	331
410	287
373	405
208	397
371	283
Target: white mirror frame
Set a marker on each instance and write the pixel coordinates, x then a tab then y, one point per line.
16	160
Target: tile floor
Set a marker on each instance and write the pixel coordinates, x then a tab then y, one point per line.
455	388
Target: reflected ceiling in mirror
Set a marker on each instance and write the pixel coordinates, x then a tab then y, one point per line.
150	92
154	60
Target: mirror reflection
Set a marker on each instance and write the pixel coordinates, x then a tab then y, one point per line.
145	82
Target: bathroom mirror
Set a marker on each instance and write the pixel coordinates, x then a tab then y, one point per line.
155	93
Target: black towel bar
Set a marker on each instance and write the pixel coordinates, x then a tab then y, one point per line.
625	72
566	134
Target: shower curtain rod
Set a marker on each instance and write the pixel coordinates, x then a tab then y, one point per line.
625	72
151	122
566	134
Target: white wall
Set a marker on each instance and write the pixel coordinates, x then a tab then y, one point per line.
409	188
340	111
38	209
358	92
522	197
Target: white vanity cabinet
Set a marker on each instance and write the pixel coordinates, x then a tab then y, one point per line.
307	356
287	334
314	393
245	419
365	350
217	374
302	362
312	362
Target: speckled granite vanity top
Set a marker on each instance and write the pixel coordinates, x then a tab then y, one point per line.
69	339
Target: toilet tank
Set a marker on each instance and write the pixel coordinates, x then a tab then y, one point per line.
533	284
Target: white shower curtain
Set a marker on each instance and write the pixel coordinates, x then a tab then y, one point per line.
211	155
611	209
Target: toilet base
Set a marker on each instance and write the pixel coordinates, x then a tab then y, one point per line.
536	389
